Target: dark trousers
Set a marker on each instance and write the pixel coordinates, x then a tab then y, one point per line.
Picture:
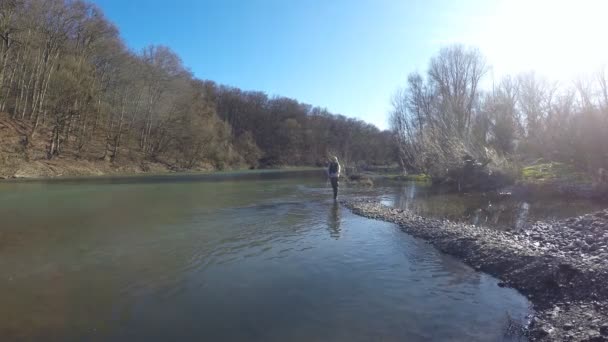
334	185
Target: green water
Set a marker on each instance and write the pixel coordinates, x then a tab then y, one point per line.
233	257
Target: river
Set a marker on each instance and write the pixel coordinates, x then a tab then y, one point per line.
255	256
498	211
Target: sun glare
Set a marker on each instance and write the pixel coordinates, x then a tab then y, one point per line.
558	39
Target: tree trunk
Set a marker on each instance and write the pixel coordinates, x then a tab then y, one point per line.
118	134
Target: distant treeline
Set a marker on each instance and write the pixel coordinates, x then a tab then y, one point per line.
66	72
443	116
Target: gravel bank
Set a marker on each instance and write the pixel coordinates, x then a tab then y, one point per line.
560	266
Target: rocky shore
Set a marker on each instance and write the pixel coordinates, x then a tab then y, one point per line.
559	265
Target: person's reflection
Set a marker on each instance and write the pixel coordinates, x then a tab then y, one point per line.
333	221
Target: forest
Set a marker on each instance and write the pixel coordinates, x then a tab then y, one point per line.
79	92
444	116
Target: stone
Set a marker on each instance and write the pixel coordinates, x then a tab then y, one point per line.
604	329
593	335
537	237
542	331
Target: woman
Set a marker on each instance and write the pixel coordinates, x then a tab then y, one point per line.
333	171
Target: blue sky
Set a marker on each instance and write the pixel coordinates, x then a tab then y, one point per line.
348	56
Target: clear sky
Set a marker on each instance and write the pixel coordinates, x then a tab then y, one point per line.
350	56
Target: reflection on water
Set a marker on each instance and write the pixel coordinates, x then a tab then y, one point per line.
488	209
228	259
333	221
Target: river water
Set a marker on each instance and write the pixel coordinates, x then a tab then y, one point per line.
491	210
257	256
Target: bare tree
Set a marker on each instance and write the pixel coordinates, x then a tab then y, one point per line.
454	75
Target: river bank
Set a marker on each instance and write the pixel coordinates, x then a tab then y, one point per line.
75	168
63	167
25	156
558	265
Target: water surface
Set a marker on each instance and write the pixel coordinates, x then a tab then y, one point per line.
257	257
487	209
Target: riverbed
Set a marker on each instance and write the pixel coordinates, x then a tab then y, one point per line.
257	256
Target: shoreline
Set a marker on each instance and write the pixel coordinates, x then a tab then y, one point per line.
152	173
68	168
558	265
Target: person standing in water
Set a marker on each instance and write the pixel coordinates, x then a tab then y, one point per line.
333	171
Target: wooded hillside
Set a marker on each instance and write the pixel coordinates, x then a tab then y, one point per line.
77	92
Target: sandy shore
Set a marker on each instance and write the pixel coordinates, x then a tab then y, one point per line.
560	266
